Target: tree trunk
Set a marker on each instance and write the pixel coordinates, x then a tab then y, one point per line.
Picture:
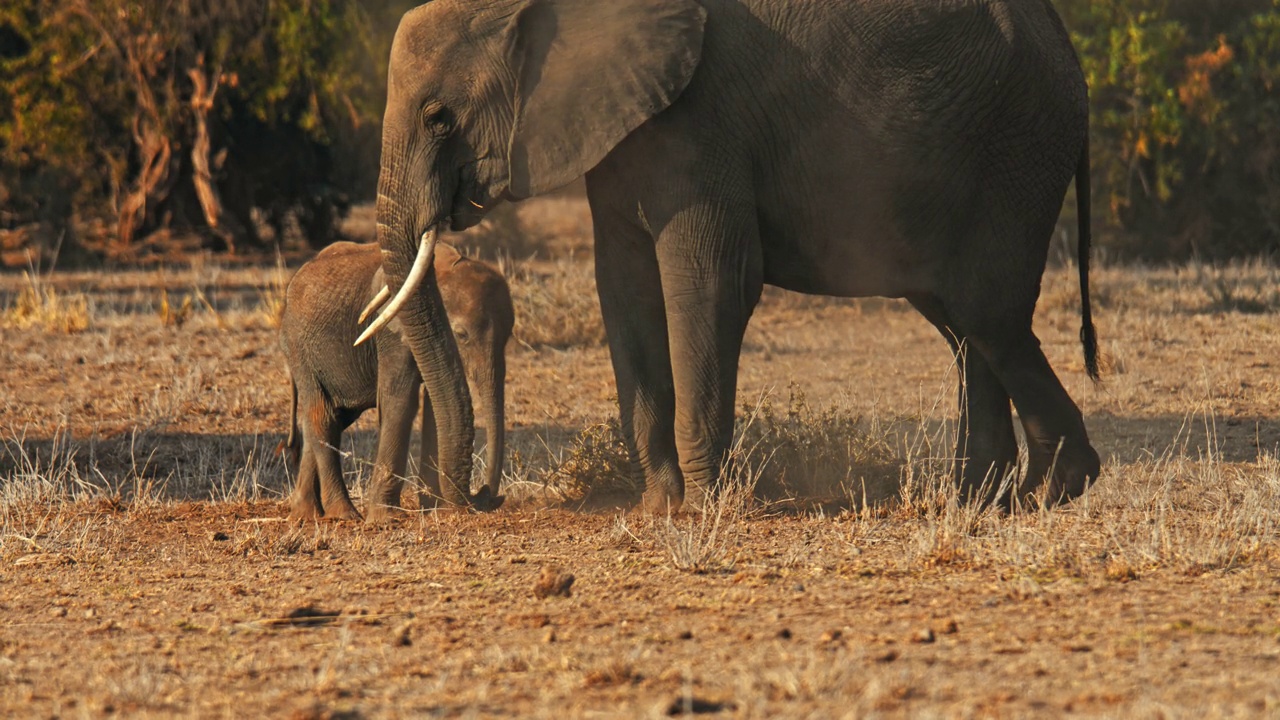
202	95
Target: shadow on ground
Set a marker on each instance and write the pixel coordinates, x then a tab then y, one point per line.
547	465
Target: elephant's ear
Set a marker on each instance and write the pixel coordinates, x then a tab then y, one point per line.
588	72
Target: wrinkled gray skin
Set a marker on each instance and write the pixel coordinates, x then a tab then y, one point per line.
905	148
334	383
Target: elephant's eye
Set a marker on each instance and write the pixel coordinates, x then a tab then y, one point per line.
435	118
461	335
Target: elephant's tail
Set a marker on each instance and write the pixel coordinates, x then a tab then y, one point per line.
290	448
1088	335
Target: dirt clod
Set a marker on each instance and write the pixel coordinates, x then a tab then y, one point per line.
403	636
305	616
697	706
553	582
924	636
887	656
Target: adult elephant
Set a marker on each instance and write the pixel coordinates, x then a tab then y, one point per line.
903	148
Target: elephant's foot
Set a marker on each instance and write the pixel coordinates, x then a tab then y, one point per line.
486	501
1073	471
663	500
698	498
1073	474
993	484
381	514
482	501
341	510
304	511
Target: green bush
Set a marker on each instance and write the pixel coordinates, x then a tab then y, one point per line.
1185	128
124	111
104	136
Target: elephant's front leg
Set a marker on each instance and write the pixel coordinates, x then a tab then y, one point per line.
397	406
635	321
712	276
429	458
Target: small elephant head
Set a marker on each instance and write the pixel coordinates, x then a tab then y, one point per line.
502	100
481	316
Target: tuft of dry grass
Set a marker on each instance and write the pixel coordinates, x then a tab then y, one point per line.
171	314
39	305
594	462
804	456
704	540
818	453
1241	286
271	297
1174	511
555	303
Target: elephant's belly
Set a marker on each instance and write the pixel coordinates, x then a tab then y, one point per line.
353	402
351	390
857	259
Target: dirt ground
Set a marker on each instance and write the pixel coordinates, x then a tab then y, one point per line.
145	569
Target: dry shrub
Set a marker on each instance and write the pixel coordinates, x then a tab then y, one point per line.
805	455
816	453
40	305
595	462
271	298
1181	511
172	314
555	303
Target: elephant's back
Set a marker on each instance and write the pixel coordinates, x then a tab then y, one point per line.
331	288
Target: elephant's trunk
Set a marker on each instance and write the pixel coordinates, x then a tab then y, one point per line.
425	326
492	404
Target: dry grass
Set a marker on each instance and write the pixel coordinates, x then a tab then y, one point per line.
144	559
41	306
592	462
555	303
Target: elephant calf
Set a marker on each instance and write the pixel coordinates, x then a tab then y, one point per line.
334	382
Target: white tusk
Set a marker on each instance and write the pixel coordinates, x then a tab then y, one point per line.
375	303
473	202
421	265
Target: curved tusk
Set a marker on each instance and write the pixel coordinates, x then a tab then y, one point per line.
374	304
421	265
473	202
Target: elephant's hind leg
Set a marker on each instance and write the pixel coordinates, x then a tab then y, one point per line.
304	503
1058	446
322	433
986	448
